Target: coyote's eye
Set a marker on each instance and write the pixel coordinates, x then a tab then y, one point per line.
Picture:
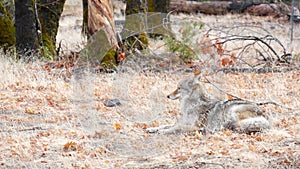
178	88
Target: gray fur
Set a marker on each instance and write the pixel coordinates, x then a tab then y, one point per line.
200	111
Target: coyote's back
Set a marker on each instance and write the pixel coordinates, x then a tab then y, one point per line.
200	111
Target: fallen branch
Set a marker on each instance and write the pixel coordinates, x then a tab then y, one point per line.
259	70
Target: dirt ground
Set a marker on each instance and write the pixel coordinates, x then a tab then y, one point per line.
47	122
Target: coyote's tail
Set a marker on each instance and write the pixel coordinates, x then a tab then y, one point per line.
254	124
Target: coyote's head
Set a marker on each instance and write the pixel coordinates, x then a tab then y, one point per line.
187	87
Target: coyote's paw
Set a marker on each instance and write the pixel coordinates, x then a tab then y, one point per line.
158	130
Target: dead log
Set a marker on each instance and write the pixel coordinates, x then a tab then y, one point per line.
223	7
212	7
275	10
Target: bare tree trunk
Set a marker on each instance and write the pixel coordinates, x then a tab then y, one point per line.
102	47
49	12
143	18
100	16
85	17
7	29
26	32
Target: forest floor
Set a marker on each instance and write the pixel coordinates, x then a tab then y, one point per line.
49	120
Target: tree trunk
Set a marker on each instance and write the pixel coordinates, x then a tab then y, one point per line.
102	41
49	13
26	32
7	29
100	16
142	18
85	17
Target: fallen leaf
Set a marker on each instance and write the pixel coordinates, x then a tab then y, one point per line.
226	132
44	134
182	157
236	146
287	161
101	150
259	139
210	152
121	57
224	152
71	146
226	61
47	67
140	125
252	148
277	153
117	126
30	111
229	97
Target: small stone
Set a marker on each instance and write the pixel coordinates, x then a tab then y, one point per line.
112	103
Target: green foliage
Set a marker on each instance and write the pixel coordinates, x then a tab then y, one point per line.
185	47
109	60
7	29
158	6
151	7
48	49
139	41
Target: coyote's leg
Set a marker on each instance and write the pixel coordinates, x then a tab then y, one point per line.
167	129
157	129
179	128
185	124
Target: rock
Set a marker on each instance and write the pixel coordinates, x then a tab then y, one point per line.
112	103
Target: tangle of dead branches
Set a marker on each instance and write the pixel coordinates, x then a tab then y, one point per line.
252	46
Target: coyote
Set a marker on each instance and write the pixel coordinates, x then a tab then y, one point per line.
207	114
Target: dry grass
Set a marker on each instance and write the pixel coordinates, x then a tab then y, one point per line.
48	122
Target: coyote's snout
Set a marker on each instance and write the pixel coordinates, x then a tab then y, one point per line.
174	95
202	112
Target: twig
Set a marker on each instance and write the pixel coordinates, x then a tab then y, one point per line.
260	40
32	128
277	104
258	70
221	90
26	129
206	163
253	38
291	21
39	30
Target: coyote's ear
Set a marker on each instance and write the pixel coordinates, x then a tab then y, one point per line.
197	76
